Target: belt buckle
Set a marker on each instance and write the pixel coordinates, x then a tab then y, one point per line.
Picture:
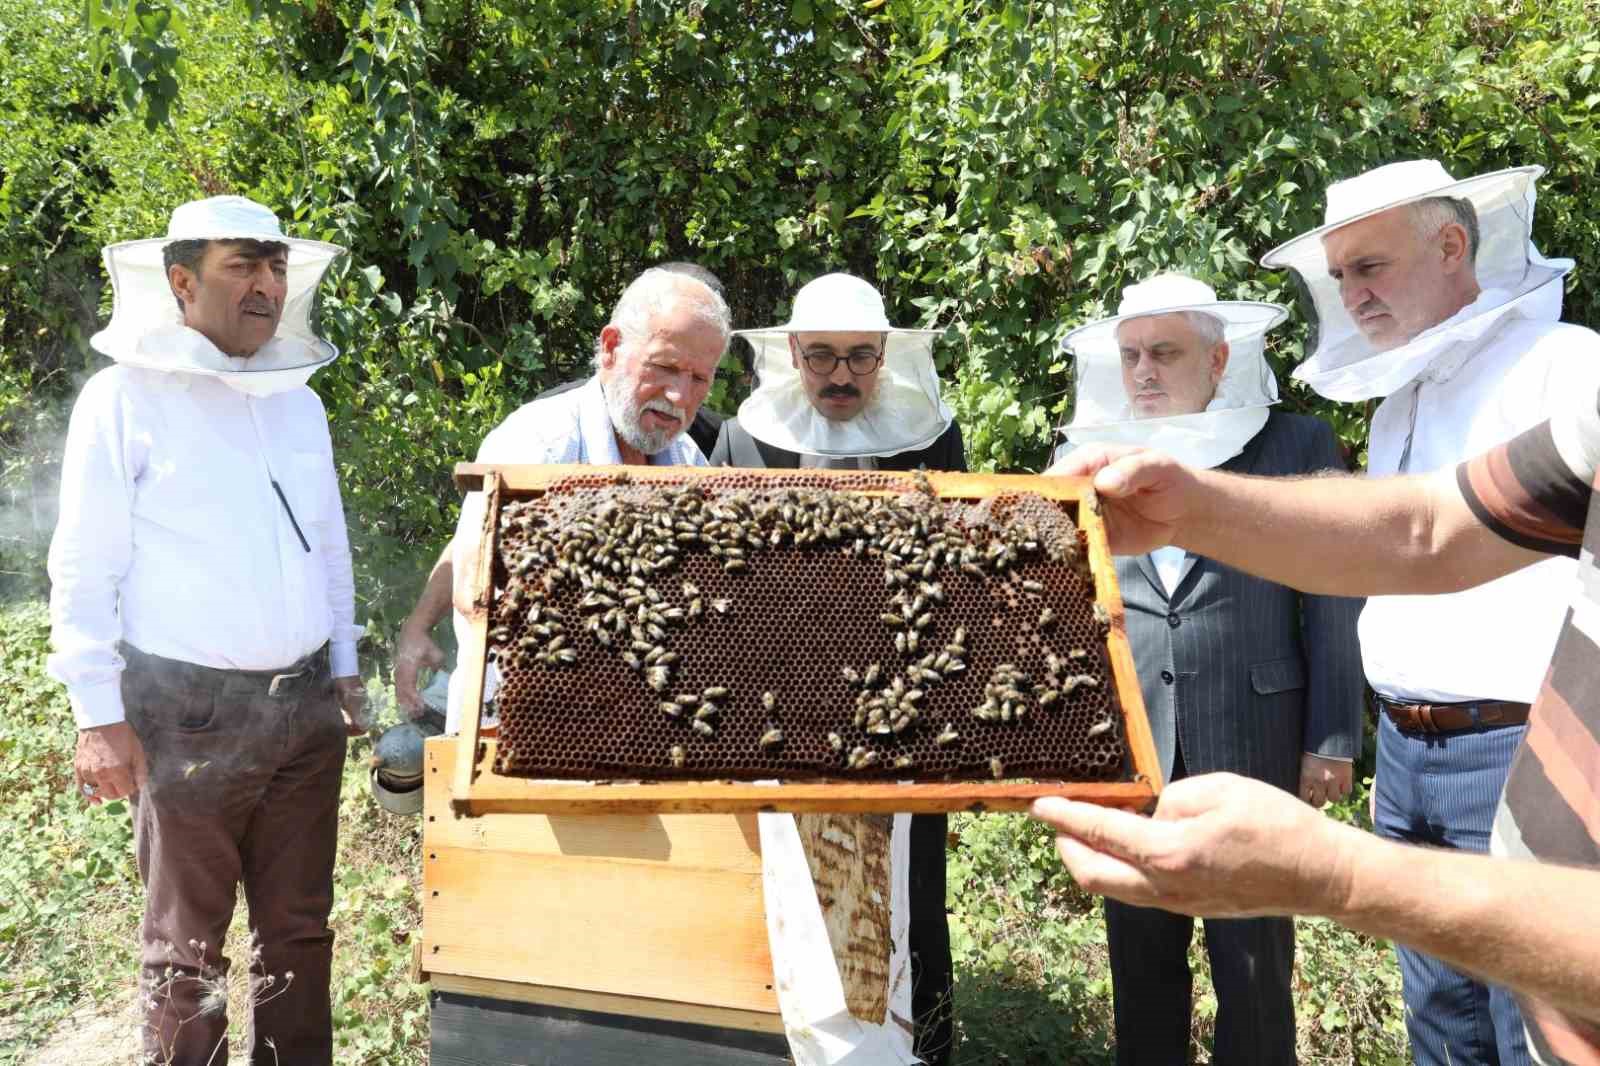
278	679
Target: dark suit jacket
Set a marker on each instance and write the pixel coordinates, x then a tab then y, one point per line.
1246	674
736	447
703	430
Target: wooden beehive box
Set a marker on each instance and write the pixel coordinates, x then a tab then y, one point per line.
480	783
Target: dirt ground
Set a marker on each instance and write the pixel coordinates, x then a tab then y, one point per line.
103	1035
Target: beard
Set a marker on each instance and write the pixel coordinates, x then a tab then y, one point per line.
626	419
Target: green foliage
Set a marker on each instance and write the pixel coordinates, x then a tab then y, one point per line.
1003	170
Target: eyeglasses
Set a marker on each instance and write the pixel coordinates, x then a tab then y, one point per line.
823	363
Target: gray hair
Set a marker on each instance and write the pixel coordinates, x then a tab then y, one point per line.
660	288
1208	327
1430	216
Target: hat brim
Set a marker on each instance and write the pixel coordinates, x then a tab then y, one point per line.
147	252
789	329
1240	318
1482	190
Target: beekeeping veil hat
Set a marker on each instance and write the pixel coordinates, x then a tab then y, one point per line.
906	410
1102	412
1513	277
146	327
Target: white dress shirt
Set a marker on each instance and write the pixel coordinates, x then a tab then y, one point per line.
1169	566
569	427
1492	642
172	538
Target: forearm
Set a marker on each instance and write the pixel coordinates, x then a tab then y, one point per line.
1530	926
1344	535
434	603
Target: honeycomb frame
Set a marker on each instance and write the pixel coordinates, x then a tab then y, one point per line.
579	722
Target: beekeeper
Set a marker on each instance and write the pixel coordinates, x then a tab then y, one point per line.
1238	674
1429	296
202	616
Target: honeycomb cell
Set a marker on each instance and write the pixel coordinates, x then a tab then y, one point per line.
900	635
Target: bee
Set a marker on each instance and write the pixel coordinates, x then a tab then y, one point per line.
714	692
657	677
736	566
721	605
960	638
987	711
972	570
691	591
900	642
923	622
633	661
1102	616
703	727
1033	586
871	676
1047	618
566	656
997	768
670	709
771	738
835	741
601	637
697	608
1049	697
889	618
903	762
947	736
706	711
769	702
1078	653
913	638
934	592
1088	680
1100	728
849	673
654	655
862	758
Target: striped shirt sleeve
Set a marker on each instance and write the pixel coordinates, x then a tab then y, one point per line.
1534	489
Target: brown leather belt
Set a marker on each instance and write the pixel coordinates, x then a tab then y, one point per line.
1453	717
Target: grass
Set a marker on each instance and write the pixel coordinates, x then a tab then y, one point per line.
1033	984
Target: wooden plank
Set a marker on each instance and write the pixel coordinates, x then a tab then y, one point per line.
609	1003
710	841
471	1030
1135	722
589	922
493	793
474	651
532	478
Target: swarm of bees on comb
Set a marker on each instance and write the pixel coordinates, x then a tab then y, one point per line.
803	627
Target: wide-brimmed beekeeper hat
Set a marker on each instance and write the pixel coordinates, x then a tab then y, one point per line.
906	410
1342	364
1101	411
146	327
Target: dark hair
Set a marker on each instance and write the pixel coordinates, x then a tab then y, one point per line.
188	254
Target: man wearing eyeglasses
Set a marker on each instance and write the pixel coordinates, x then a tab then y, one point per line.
839	388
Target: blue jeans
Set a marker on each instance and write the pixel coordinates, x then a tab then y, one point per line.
1441	790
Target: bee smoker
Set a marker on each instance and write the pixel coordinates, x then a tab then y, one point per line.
396	765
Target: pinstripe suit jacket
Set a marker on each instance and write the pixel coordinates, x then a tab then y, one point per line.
1246	674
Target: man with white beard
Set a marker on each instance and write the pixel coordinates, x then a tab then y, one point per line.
654	363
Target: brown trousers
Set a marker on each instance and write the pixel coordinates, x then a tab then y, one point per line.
243	787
